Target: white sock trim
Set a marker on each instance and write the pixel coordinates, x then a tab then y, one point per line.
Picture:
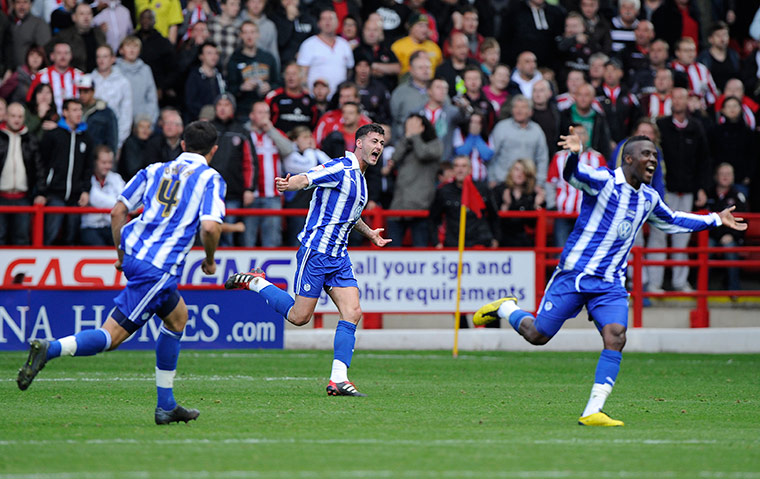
165	379
68	346
339	371
108	339
507	307
258	284
599	395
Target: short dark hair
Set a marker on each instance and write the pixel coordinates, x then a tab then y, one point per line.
632	141
718	26
367	129
205	44
199	137
69	101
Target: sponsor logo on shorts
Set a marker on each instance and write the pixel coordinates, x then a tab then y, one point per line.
306	287
548	306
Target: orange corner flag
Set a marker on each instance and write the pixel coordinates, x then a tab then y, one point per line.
471	197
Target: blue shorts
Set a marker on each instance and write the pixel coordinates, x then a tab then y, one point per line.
149	291
567	293
316	271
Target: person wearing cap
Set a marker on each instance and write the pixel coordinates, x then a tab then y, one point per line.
102	124
326	55
418	39
321	95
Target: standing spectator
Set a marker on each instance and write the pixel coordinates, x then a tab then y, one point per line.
271	146
384	64
734	143
659	103
187	56
28	30
621	108
518	137
496	90
469	29
575	79
19	157
166	145
686	154
490	55
595	122
224	29
61	76
526	75
666	19
725	195
636	56
255	12
474	98
116	21
531	25
417	40
472	139
113	87
293	27
374	95
235	161
251	72
574	47
64	176
204	84
332	120
624	25
443	115
102	124
517	193
105	187
735	87
326	55
61	17
721	61
42	9
642	80
546	114
411	95
452	69
167	15
160	55
140	78
394	17
41	115
321	90
291	105
597	27
417	156
700	80
16	86
82	37
134	151
596	68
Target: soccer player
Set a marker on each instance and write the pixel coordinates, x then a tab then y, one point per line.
592	268
322	259
178	198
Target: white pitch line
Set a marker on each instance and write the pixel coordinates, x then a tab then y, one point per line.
178	378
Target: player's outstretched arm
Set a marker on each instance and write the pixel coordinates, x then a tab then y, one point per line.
291	183
571	141
210	233
372	235
731	221
119	217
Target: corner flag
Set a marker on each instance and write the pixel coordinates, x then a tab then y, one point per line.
471	197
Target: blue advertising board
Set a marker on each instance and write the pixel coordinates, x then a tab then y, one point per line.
217	319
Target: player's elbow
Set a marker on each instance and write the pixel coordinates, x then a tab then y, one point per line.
118	212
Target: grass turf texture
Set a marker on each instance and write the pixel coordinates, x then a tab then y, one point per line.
266	415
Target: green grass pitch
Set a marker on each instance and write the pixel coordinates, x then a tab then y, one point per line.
265	414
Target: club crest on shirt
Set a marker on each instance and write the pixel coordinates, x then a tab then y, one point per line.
647	205
625	229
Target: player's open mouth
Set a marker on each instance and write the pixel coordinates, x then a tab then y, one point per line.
650	169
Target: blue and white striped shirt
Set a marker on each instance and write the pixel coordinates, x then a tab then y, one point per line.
612	213
176	196
336	206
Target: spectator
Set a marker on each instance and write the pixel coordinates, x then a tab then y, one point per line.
62	17
469	29
642	80
621	108
635	56
349	31
326	55
63	178
384	64
597	27
19	157
116	21
304	157
194	12
28	30
721	61
140	78
546	114
417	40
725	195
596	68
113	87
445	211
574	46
16	86
660	102
61	76
472	139
374	95
443	115
224	29
236	161
82	37
452	69
418	152
41	115
700	80
293	27
321	91
734	143
255	12
134	151
271	146
531	25
105	188
187	57
251	72
204	84
525	75
102	124
473	97
496	90
167	16
735	87
689	21
517	193
490	54
160	55
595	122
567	198
575	78
42	9
395	16
685	150
411	95
665	18
291	105
418	7
518	137
624	25
165	145
333	119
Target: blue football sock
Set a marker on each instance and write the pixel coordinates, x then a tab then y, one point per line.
608	367
167	354
343	345
85	343
278	299
516	318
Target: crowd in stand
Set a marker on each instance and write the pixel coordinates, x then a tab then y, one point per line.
90	93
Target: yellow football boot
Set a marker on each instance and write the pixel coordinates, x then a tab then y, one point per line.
490	312
599	419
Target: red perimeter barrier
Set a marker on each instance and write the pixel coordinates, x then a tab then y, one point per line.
545	256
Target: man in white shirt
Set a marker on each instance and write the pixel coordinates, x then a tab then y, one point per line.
104	192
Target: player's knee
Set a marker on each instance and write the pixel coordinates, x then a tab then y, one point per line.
298	319
353	315
614	339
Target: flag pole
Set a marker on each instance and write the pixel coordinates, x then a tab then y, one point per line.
462	220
